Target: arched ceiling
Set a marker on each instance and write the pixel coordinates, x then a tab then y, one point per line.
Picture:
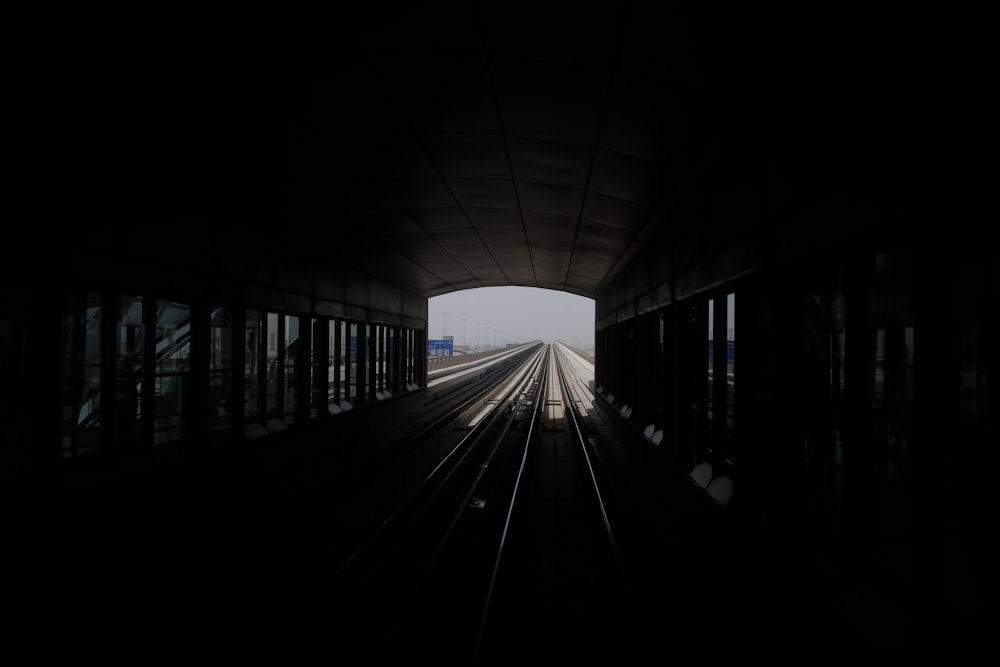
492	152
445	149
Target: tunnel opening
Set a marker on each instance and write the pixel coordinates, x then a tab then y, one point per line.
486	318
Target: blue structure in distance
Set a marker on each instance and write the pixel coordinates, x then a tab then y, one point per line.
440	348
730	350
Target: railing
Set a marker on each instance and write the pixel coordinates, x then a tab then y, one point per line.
436	363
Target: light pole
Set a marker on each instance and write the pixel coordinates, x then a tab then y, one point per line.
444	325
463	332
477	336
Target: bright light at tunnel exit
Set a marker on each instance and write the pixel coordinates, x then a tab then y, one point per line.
490	317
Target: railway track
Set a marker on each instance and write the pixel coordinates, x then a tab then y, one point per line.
511	547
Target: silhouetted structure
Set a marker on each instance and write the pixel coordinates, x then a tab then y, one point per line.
252	250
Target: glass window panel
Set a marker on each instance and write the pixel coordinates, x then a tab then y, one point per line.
390	376
81	375
730	359
662	325
173	353
408	349
318	374
353	363
290	352
711	359
383	346
905	386
129	370
220	379
334	380
371	352
404	357
272	352
878	364
375	356
344	359
411	338
379	360
251	364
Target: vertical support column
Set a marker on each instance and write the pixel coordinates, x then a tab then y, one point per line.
676	409
261	328
612	361
147	422
413	344
109	360
719	381
374	336
351	361
858	443
303	369
420	356
404	357
696	381
936	406
279	367
634	356
237	392
362	365
42	378
661	393
397	349
755	401
320	344
378	359
598	358
644	367
337	330
195	424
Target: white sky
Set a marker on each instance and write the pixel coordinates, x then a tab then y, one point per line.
511	315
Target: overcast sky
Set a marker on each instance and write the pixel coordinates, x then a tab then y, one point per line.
511	315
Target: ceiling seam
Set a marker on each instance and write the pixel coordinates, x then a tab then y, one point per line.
461	208
420	266
414	136
597	140
425	231
694	177
506	148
